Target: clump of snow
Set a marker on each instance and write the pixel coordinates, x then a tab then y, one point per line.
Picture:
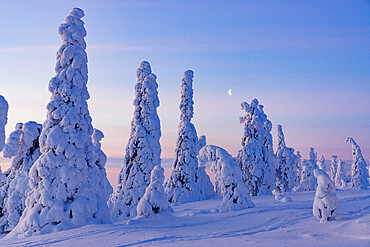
3	120
256	158
325	205
143	149
281	197
229	182
154	200
340	178
286	163
359	173
187	181
333	167
23	147
68	183
321	163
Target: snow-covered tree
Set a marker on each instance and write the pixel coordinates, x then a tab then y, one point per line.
22	147
325	205
340	178
313	159
285	164
201	142
308	181
228	180
256	158
298	169
333	167
154	200
69	186
3	120
143	149
321	163
358	168
187	182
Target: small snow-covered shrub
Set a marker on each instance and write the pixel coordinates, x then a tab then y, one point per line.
187	181
229	182
359	173
154	200
3	120
22	147
325	205
256	157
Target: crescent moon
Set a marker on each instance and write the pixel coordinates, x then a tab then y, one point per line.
229	92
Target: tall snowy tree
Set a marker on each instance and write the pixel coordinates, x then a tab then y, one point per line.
23	147
3	120
359	173
187	182
154	200
143	149
285	164
313	159
298	169
333	167
69	186
228	180
256	158
321	163
340	179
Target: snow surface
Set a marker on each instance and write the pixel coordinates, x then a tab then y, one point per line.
3	120
269	223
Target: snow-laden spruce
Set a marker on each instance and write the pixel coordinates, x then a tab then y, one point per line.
321	163
256	158
187	182
298	170
143	149
358	168
69	186
308	181
22	146
333	167
154	200
325	205
3	120
340	177
228	181
285	164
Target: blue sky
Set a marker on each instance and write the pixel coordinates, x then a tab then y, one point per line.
307	62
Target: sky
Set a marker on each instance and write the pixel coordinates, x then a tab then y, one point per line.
307	62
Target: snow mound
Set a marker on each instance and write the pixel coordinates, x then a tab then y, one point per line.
229	182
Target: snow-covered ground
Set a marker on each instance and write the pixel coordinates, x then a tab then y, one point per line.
270	223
